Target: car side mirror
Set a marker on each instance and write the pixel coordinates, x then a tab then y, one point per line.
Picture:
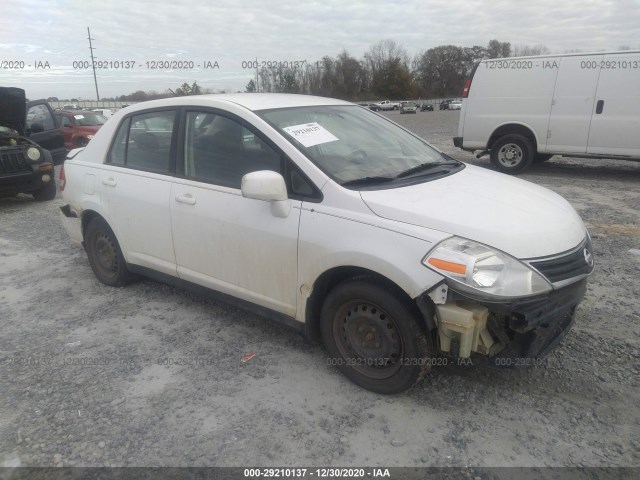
268	186
37	127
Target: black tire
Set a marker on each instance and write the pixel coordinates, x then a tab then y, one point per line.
374	337
105	256
541	157
82	142
46	193
512	154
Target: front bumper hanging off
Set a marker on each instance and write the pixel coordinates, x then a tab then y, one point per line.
529	329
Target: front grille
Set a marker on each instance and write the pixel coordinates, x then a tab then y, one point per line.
574	264
11	162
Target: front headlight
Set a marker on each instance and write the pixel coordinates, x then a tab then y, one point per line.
33	153
477	268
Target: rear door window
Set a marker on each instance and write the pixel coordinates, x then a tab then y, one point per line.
145	142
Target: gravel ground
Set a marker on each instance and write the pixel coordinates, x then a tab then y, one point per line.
149	375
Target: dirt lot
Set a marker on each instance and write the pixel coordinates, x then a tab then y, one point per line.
149	375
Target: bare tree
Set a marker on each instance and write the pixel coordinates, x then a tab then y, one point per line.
529	50
388	64
497	49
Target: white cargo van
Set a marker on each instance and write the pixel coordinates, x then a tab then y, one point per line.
527	109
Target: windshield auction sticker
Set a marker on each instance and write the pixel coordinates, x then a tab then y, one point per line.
310	134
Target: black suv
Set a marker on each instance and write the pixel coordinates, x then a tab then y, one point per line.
27	166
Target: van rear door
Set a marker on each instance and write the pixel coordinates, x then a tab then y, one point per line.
573	103
615	127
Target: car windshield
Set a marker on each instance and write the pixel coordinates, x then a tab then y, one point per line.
350	143
89	119
409	104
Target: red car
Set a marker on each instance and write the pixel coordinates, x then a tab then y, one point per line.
78	126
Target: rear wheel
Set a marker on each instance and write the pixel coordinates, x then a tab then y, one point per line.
46	193
375	338
82	142
105	256
512	154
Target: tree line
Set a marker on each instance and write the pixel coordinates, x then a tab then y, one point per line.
385	71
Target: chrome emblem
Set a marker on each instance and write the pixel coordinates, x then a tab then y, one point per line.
588	257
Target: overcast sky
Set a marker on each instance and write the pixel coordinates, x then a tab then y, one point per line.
233	31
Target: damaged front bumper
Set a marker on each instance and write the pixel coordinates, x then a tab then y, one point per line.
512	333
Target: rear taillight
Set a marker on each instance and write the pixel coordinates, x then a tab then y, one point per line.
63	179
465	90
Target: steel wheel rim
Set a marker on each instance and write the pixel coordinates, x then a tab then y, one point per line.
510	154
106	256
368	339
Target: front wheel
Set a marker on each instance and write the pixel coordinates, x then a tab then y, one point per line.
374	337
46	193
512	154
105	255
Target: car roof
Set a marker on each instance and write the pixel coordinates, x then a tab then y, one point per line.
250	101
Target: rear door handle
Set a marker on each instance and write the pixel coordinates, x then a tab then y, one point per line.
186	198
111	182
599	106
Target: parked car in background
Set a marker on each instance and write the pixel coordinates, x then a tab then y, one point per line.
105	112
79	126
408	107
388	105
374	106
455	105
25	166
444	104
428	107
266	198
70	106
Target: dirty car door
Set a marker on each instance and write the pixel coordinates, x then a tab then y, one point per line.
223	240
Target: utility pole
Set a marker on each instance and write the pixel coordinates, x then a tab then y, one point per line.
257	81
93	65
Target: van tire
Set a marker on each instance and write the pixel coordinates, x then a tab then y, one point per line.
512	154
363	323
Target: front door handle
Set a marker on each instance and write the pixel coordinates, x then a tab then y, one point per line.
599	106
111	182
186	198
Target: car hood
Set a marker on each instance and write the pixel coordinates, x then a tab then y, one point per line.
517	217
13	108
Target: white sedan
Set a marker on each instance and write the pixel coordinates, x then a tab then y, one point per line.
455	105
335	220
